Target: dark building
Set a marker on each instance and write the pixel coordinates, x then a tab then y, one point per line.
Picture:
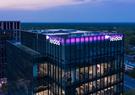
29	39
74	62
23	71
9	30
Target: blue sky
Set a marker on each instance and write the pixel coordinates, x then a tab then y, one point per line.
68	10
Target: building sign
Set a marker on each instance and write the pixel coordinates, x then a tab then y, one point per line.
114	38
53	40
59	41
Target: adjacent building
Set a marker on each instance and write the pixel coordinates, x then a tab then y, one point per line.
9	30
67	62
22	70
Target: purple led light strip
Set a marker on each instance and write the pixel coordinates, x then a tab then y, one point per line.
85	39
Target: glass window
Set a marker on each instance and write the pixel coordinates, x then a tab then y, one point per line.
43	69
98	70
90	72
94	70
66	77
98	84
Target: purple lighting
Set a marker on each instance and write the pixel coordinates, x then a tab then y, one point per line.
82	39
102	37
95	38
99	38
72	40
62	41
86	39
90	39
68	41
77	40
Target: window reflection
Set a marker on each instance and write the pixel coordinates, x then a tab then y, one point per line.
89	78
43	70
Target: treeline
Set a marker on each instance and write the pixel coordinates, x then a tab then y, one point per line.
81	26
129	42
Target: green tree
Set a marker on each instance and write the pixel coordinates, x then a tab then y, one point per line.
132	40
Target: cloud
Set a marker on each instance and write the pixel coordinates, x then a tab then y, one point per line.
41	4
36	4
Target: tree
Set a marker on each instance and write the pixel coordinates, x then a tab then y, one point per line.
132	40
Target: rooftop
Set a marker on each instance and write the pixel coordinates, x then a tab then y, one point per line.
26	49
62	36
71	32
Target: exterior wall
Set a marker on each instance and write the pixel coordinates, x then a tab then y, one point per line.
34	41
11	25
84	68
8	31
20	71
88	68
25	70
2	60
42	47
29	39
37	42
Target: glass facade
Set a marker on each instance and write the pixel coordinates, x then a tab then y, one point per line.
76	63
94	68
9	30
23	69
88	65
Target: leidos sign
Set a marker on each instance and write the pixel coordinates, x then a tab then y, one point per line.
58	42
114	38
53	41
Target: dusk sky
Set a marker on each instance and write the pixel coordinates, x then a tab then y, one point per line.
68	10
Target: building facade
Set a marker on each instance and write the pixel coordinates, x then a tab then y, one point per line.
22	71
9	30
85	63
78	62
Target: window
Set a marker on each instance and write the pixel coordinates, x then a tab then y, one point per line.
43	69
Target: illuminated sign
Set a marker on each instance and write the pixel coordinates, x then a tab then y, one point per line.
107	36
53	40
59	41
114	38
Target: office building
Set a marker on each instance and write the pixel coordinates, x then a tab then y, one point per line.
22	69
9	30
72	62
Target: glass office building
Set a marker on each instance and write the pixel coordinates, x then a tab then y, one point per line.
85	63
79	62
